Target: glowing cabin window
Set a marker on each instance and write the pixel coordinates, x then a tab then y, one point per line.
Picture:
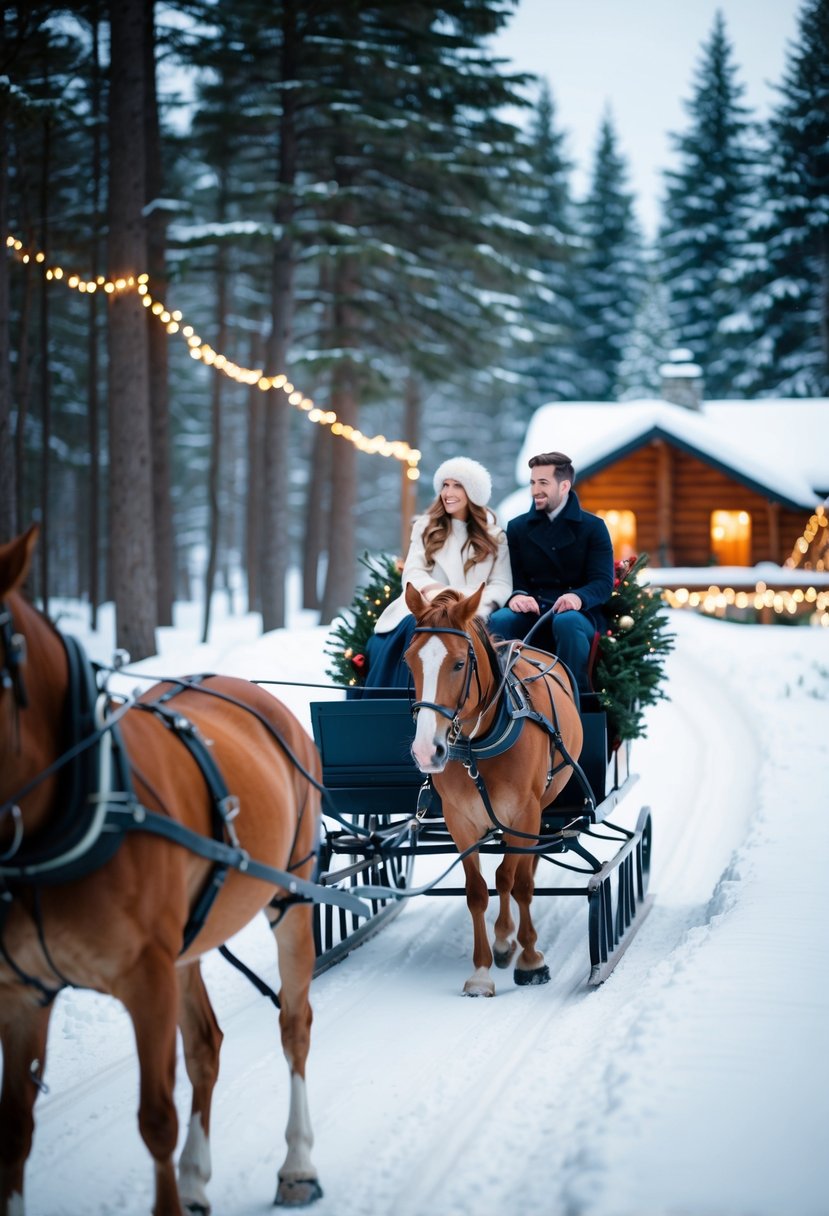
731	538
622	528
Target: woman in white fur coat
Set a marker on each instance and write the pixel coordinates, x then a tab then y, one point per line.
457	544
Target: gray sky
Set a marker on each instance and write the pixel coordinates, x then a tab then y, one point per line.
639	56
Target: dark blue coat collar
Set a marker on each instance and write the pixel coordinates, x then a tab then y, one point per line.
572	511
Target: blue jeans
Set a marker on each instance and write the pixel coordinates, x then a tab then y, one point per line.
567	634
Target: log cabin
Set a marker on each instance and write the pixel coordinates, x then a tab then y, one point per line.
704	487
713	483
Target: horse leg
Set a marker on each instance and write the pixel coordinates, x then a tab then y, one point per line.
530	967
202	1040
149	993
480	982
505	945
298	1182
23	1029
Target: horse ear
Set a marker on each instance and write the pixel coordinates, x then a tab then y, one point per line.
466	608
415	602
15	559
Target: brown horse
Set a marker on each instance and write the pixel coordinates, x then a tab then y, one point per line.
120	928
459	690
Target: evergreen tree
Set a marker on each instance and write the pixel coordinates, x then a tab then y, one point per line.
611	269
706	209
650	341
45	108
630	668
552	311
783	321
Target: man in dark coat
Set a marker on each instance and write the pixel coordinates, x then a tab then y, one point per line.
562	558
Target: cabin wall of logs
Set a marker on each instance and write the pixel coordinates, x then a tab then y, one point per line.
673	496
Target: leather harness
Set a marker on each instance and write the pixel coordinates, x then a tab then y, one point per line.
514	709
99	804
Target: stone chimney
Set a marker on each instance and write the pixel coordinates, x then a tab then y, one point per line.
681	380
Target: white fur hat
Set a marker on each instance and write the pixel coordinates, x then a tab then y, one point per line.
473	477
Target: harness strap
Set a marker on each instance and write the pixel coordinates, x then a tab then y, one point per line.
137	818
47	995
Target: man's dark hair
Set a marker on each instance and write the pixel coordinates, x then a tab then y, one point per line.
562	464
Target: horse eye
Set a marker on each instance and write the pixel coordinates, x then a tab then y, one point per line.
459	665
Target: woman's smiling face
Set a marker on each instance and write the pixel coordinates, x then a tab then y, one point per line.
454	499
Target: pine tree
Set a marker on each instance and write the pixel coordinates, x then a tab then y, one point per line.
611	269
783	321
650	341
47	123
630	669
552	311
348	640
705	212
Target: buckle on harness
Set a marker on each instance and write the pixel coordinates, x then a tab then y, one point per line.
228	809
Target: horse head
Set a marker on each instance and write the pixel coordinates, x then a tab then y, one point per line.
451	669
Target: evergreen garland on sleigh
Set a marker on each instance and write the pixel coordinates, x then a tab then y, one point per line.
630	667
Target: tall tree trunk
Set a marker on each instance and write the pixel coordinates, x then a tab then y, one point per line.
318	493
339	579
214	469
339	575
413	405
23	389
255	479
276	549
93	338
45	377
130	464
158	339
8	485
317	512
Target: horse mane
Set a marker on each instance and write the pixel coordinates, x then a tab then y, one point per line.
23	597
438	612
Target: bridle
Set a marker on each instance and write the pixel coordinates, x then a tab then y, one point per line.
471	665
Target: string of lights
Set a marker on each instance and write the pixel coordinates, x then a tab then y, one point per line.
782	601
202	351
805	542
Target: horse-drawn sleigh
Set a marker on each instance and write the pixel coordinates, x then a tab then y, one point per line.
135	835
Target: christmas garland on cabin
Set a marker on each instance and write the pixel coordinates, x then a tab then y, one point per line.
630	666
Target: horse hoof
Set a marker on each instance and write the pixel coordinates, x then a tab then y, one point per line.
476	987
297	1192
541	975
503	959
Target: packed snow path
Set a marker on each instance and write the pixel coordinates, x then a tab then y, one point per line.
693	1082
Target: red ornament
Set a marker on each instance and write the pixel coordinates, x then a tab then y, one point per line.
358	661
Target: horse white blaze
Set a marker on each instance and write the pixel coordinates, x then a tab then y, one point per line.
423	748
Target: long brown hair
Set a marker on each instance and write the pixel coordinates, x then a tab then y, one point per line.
480	543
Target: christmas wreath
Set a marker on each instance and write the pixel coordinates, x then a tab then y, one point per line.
630	666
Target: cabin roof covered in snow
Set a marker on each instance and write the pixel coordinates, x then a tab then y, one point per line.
779	447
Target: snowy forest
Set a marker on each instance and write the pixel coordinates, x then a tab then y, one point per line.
264	260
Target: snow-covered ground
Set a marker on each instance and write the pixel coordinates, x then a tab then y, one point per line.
695	1082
